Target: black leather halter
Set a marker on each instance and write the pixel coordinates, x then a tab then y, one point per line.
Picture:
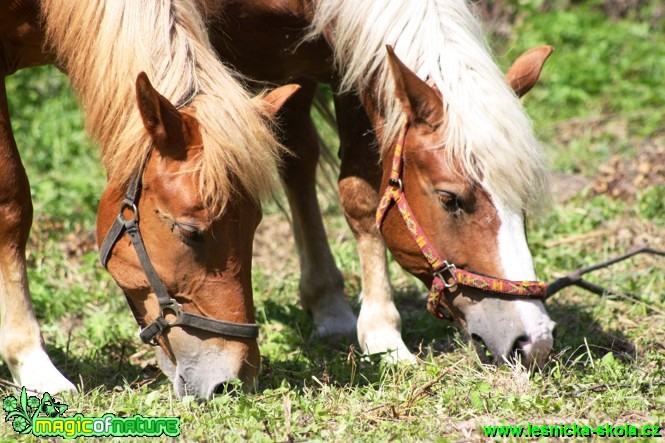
167	304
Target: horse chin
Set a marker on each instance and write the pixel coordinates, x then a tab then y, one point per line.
509	330
165	364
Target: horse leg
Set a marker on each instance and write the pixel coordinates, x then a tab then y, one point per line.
379	322
321	283
21	343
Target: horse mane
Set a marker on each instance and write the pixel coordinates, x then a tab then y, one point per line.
488	133
104	44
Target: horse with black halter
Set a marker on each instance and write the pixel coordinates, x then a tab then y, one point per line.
183	165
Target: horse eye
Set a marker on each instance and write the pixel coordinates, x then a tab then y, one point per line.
188	232
449	201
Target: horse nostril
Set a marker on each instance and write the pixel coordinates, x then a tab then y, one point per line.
521	341
518	352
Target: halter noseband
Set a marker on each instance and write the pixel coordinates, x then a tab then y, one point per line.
167	304
446	275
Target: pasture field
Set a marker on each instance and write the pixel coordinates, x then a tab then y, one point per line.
599	110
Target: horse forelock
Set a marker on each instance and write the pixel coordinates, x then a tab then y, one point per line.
103	45
488	133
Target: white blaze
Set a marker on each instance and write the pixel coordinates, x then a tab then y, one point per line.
517	264
513	249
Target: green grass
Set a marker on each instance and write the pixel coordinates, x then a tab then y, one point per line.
600	96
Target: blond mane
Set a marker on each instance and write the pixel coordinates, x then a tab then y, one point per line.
104	44
488	132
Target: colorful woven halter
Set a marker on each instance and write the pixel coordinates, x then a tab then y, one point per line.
446	275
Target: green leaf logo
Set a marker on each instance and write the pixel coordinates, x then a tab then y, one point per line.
23	410
33	402
19	412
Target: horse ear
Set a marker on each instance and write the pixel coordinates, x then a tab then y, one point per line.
158	114
421	103
273	101
524	72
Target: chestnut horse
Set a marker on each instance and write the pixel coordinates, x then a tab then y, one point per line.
452	140
192	162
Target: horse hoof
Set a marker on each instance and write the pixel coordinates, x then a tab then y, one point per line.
389	343
336	330
38	374
335	321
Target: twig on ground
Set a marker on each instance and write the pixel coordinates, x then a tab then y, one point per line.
271	395
9	384
575	277
420	392
600	388
375	408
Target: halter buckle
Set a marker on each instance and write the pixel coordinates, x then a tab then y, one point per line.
153	341
172	306
447	267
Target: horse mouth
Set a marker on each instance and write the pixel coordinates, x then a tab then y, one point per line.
487	357
482	350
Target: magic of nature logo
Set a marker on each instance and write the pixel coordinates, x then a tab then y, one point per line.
44	417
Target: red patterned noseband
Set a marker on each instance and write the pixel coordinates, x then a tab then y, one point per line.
446	275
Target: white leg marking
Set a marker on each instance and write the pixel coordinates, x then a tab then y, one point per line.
379	322
333	317
20	339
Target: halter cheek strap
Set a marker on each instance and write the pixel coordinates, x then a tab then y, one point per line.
167	303
445	275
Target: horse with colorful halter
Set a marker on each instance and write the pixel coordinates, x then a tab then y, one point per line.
183	165
453	141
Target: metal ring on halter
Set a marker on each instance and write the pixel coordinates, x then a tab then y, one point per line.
396	182
126	204
173	307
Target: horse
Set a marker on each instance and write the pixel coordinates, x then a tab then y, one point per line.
184	165
438	162
468	189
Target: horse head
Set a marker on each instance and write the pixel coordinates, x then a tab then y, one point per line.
457	234
185	269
